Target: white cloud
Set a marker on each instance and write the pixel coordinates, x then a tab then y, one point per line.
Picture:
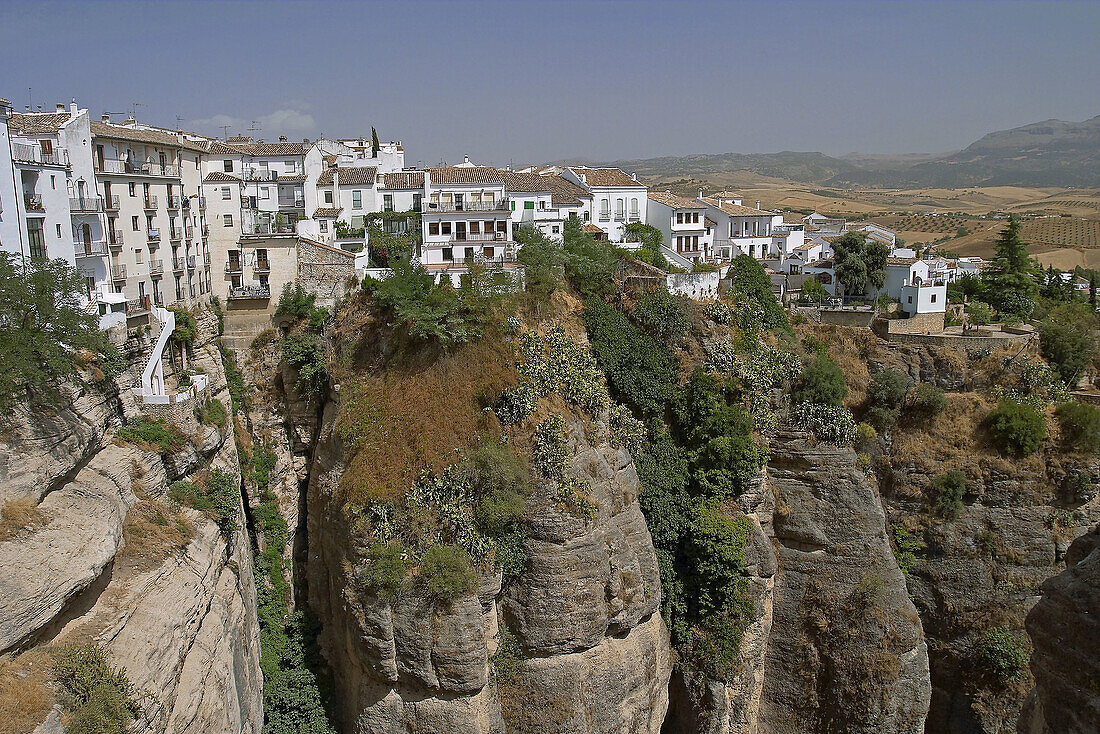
279	122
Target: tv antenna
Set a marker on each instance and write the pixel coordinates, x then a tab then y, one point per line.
225	131
253	127
133	108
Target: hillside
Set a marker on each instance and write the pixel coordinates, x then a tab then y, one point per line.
1050	153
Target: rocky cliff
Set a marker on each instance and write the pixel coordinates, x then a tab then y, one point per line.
588	650
94	551
1065	631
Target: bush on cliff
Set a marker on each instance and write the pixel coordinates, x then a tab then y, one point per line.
447	572
1000	655
947	492
98	698
1017	429
822	383
1080	425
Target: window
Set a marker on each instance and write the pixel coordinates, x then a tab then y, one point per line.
909	299
138	256
542	205
633	207
53	181
605	207
448	254
619	208
227	220
502	226
433	227
528	205
59	231
356	199
226	193
265	192
324	225
475	227
291	166
132	189
134	222
227	165
488	251
328	196
679	217
445	227
933	295
35	238
695	218
416	202
554	229
387	202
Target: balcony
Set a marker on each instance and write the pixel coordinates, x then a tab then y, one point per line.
111	203
114	238
475	237
156	267
33	203
262	266
175	235
466	206
152	235
85	204
150	202
292	203
138	306
202	202
148	168
205	230
177	264
24	153
265	227
118	272
233	266
206	259
90	248
188	232
191	262
249	292
173	202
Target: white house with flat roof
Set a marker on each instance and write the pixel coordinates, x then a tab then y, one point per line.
902	272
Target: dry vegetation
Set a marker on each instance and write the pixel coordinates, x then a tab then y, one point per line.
153	531
17	515
400	421
25	696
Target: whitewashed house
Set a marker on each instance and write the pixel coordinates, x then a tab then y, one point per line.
919	298
617	199
683	223
743	230
902	272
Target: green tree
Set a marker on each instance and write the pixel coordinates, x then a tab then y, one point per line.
589	263
751	280
947	492
662	314
42	327
860	264
1066	341
1009	279
651	239
1092	289
542	260
1080	425
885	398
374	146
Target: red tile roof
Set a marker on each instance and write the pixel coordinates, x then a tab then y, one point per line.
403	180
219	177
465	175
606	177
674	201
349	176
37	123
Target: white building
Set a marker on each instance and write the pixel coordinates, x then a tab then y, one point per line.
465	215
11	229
683	223
746	230
922	298
617	199
902	272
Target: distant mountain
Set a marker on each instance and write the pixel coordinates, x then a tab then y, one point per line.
1051	153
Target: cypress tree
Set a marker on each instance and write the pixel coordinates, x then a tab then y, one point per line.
374	146
1092	289
1010	285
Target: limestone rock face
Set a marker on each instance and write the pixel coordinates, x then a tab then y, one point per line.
179	615
1065	631
594	651
846	650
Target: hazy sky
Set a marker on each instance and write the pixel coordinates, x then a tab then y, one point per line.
536	81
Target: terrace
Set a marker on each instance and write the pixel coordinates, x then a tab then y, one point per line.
147	168
249	292
96	248
26	153
86	204
499	205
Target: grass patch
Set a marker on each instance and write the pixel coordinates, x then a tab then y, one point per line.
97	698
217	495
152	532
17	515
212	412
234	381
25	697
152	435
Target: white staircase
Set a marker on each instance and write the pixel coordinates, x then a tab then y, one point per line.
152	391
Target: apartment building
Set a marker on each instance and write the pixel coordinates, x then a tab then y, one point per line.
465	215
151	183
746	230
685	227
618	199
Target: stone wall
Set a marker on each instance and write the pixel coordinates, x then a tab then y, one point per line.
325	270
696	286
846	317
921	323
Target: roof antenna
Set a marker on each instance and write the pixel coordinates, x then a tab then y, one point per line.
225	132
254	127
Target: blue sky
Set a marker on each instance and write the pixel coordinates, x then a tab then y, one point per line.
536	81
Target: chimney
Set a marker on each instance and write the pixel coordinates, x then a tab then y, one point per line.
60	107
106	117
39	108
72	106
465	159
305	140
633	177
700	193
282	138
758	204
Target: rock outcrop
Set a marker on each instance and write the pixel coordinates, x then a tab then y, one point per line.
1065	631
106	558
593	649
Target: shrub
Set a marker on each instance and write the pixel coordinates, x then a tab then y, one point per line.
624	430
218	497
907	548
423	311
98	698
542	262
211	412
978	313
832	423
448	572
112	362
186	327
752	281
822	383
885	396
589	264
165	437
640	370
549	450
305	353
864	437
295	301
383	571
947	492
926	400
1017	429
1068	347
1080	425
1000	655
234	381
662	314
